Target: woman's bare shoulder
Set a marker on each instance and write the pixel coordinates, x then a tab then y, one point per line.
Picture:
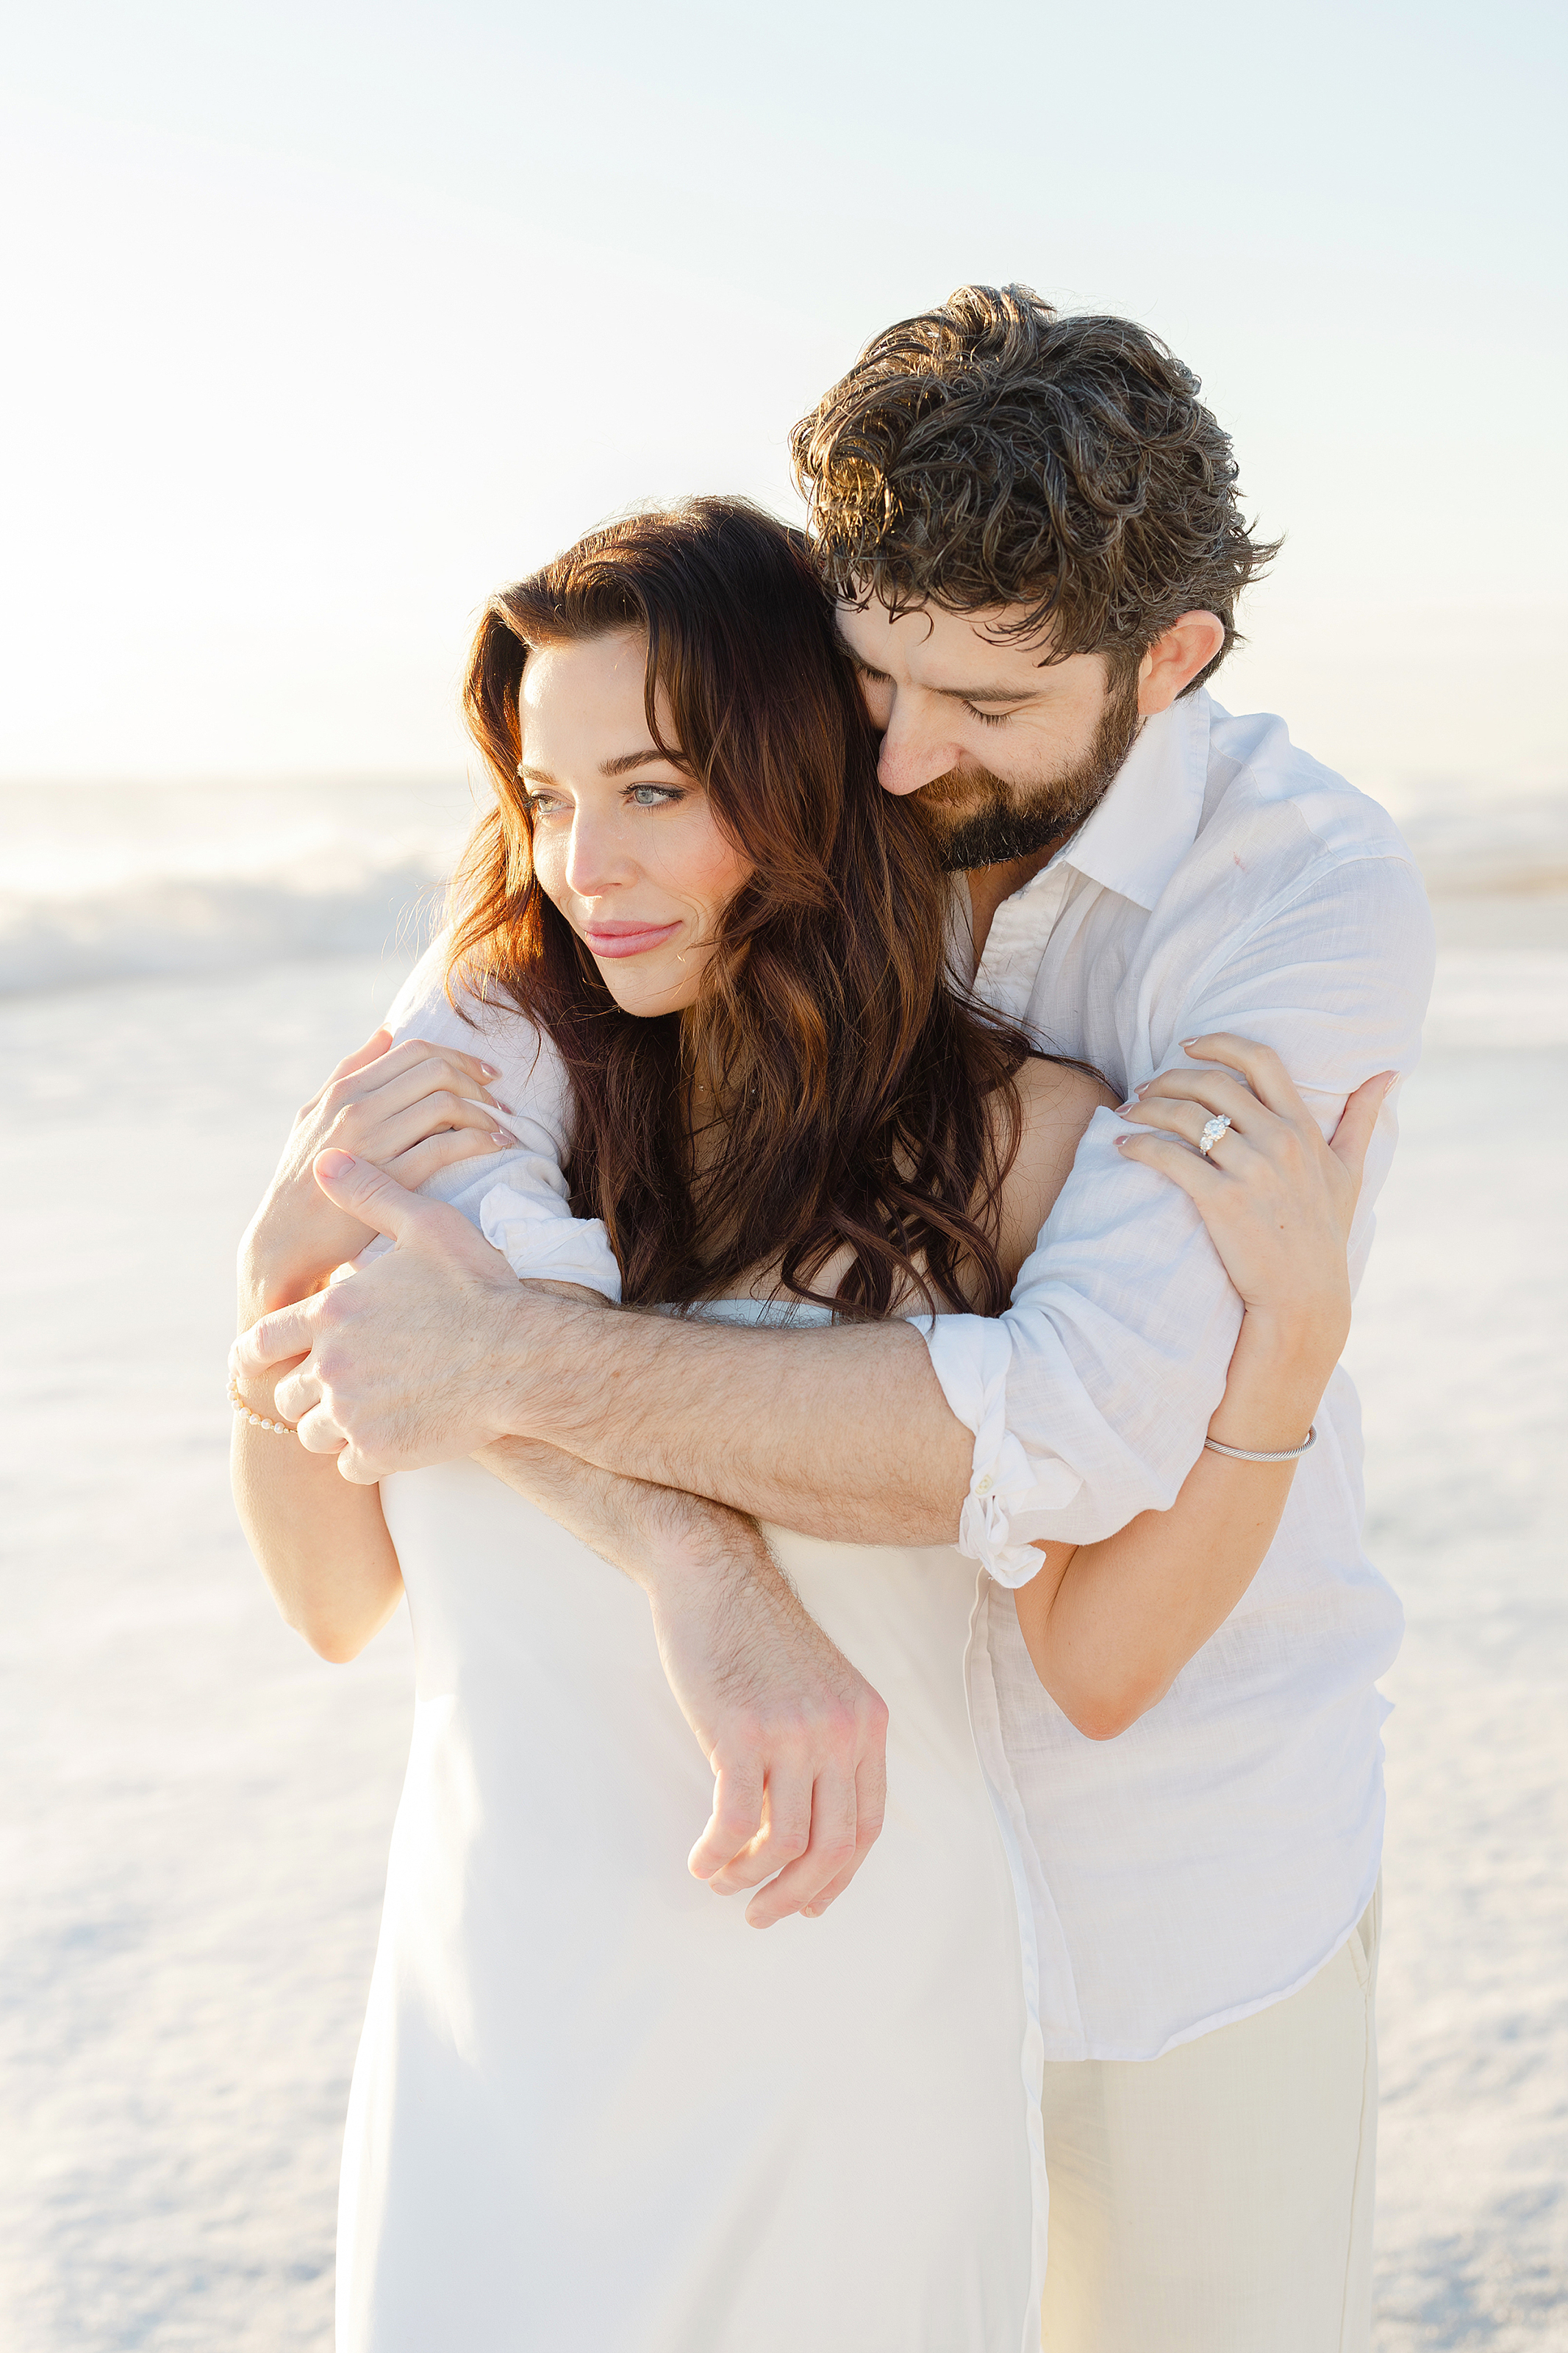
1056	1095
1057	1103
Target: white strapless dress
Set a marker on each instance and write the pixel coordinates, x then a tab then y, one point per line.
594	2112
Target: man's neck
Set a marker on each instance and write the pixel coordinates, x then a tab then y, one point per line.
989	885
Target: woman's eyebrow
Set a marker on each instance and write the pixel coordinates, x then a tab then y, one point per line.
629	760
620	766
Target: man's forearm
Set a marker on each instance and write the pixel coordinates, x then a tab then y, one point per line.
843	1434
437	1350
651	1533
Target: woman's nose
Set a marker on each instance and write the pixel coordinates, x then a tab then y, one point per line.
598	859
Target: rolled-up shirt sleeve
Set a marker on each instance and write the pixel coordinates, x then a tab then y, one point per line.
1089	1397
537	1235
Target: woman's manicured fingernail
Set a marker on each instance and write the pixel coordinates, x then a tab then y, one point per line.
1187	1045
489	1070
335	1163
1131	1105
1389	1081
498	1136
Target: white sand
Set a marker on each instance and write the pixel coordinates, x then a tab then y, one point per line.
197	1810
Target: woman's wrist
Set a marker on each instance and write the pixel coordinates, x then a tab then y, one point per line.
1278	1374
256	1391
269	1278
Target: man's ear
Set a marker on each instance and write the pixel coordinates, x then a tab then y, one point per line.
1175	659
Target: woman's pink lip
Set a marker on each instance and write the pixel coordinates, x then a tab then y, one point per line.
627	939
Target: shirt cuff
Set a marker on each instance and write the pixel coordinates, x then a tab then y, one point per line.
971	1356
540	1238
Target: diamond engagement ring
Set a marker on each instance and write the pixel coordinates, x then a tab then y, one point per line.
1215	1129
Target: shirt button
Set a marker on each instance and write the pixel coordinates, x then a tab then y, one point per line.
985	1483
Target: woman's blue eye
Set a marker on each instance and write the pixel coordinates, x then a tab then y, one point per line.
652	795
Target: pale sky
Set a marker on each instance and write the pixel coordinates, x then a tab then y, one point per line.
324	320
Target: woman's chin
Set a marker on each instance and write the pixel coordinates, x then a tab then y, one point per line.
645	998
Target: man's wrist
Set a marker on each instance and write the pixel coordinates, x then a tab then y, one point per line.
689	1545
538	1345
516	1317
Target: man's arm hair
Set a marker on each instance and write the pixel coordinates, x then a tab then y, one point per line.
843	1434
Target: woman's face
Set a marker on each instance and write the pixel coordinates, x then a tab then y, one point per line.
624	841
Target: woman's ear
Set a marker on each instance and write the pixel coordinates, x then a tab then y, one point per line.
1175	659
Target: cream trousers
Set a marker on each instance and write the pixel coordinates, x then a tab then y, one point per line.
1219	2199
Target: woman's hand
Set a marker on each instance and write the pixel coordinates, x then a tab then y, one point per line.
1277	1201
408	1110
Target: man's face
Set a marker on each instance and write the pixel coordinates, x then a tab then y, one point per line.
1008	756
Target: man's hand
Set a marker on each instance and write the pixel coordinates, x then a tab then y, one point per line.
795	1737
402	1367
435	1350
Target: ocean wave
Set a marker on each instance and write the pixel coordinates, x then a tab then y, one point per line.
1466	843
172	925
1499	998
104	886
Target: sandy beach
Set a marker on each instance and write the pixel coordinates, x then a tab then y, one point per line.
325	322
197	1810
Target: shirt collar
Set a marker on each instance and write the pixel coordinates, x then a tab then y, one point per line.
1139	835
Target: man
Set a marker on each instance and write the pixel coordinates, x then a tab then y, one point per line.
1032	527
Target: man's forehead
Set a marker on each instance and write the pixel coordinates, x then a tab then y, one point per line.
928	639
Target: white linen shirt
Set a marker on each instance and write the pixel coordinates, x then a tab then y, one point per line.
1212	1858
1208	1860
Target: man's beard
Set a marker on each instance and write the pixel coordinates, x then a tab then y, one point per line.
976	820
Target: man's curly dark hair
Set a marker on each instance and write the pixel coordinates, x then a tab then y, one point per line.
990	452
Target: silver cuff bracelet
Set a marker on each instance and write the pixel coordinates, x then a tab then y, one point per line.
1245	1454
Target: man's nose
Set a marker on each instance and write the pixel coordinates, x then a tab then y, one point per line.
917	746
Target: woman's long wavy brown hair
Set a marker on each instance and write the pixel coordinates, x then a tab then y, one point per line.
864	1103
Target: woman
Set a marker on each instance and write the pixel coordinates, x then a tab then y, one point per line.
591	2107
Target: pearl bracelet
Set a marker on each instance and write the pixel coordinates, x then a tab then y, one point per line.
1245	1454
257	1420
